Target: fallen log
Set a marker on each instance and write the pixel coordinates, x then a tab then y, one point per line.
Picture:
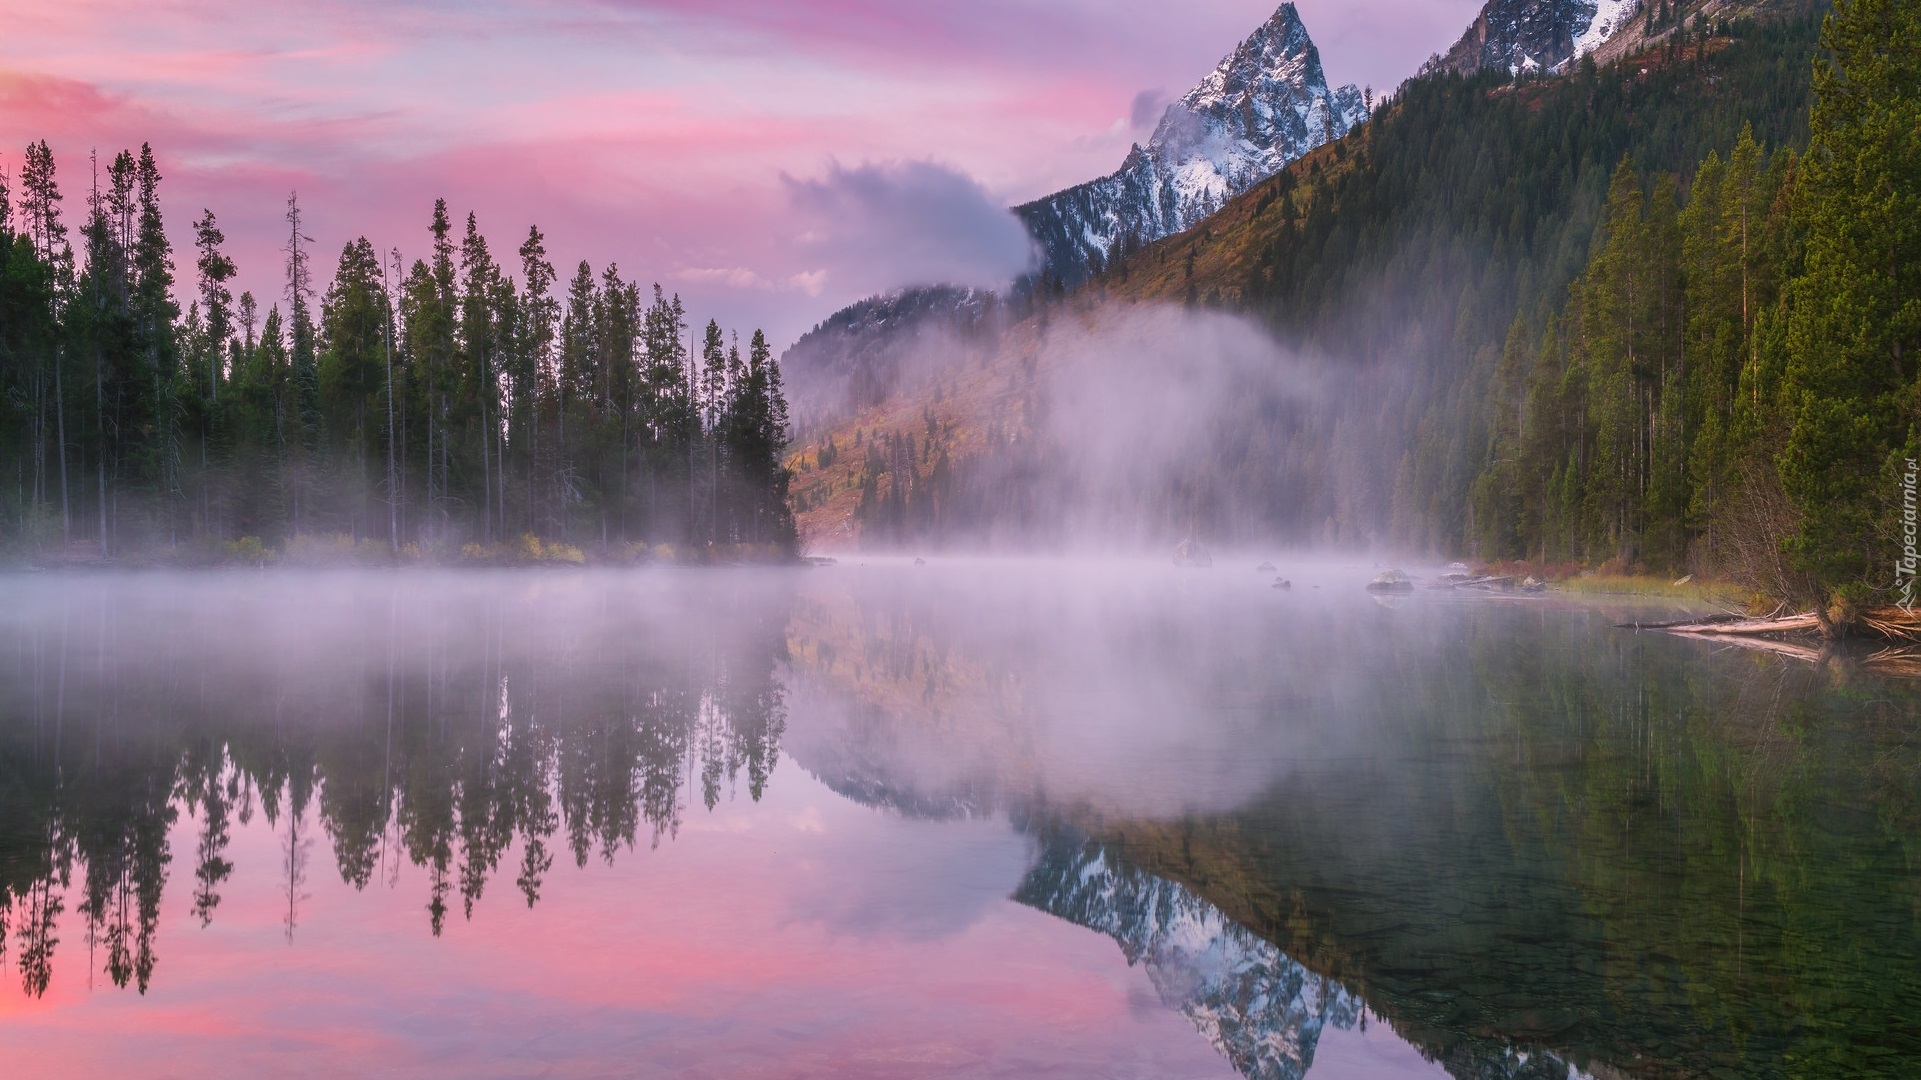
1785	624
1489	583
1692	620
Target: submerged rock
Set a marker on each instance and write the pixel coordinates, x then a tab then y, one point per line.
1266	568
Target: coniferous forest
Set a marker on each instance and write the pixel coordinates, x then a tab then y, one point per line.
1668	311
464	406
1730	383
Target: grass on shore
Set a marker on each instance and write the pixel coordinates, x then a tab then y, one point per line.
1705	592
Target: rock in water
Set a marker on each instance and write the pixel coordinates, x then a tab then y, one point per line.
1265	568
1390	581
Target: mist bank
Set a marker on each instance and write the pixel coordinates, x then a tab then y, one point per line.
1121	428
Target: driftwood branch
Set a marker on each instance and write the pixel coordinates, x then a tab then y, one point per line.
1746	626
1802	636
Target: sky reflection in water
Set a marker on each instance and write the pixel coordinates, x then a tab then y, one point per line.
862	820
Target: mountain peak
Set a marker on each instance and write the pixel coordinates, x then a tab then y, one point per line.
1278	51
1265	104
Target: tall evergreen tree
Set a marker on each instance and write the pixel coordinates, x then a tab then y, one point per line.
1853	314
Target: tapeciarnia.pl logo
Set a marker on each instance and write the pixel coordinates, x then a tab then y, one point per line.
1904	568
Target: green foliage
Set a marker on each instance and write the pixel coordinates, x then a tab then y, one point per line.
1852	328
1738	383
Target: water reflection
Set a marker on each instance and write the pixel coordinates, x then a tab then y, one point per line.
1527	844
443	723
1529	840
1262	1010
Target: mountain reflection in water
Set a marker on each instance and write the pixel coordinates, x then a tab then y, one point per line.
1525	843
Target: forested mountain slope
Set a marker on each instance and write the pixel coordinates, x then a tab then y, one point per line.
1392	265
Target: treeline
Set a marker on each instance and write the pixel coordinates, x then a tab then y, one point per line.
451	402
1731	385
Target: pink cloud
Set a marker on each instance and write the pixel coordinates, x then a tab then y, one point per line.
653	132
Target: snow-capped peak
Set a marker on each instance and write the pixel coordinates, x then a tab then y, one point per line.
1264	105
1278	52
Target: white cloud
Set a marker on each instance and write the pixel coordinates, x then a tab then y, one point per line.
880	226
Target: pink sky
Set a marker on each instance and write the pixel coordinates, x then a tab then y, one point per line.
677	137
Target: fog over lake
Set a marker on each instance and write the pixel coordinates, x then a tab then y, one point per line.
990	817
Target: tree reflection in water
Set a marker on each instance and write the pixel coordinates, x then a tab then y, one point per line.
1527	841
442	722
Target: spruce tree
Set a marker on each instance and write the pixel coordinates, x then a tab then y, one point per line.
216	300
1853	315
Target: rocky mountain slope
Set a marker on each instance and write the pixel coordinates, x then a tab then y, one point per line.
868	351
1521	36
1266	104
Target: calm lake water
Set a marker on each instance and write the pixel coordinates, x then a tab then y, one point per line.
962	819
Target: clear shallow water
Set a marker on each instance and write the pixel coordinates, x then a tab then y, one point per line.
967	819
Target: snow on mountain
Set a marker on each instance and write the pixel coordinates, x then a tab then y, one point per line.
1263	1010
1519	36
1265	105
1609	17
1260	1008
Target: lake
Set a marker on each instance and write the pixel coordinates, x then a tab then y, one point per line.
972	818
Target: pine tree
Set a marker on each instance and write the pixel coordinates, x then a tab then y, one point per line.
300	407
712	404
352	376
1853	315
155	313
216	300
